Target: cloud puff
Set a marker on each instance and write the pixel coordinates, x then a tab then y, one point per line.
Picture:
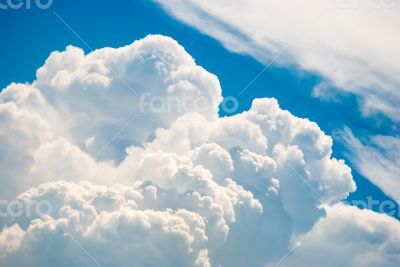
351	44
87	99
182	187
95	94
350	237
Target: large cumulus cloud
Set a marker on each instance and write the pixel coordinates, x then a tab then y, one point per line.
181	187
87	99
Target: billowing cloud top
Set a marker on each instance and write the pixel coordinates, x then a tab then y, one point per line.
125	151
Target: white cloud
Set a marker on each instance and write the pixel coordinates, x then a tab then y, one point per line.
129	225
350	237
180	188
109	223
353	45
69	100
97	93
376	158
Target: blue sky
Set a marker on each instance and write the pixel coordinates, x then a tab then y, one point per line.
28	36
93	174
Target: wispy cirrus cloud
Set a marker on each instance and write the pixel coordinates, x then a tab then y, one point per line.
352	45
377	158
